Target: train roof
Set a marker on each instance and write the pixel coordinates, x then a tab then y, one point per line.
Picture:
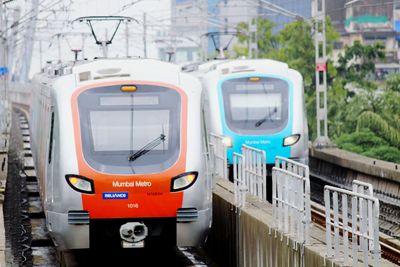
237	65
103	68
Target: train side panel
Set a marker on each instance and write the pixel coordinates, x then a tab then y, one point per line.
198	195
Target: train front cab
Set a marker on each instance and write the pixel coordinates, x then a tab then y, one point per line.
133	182
266	112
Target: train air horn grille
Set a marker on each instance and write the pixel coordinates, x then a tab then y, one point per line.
187	215
78	217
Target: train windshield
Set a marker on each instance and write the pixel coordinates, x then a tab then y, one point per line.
130	132
255	105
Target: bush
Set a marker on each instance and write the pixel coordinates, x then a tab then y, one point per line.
368	144
384	153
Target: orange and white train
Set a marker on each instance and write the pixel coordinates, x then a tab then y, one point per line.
119	152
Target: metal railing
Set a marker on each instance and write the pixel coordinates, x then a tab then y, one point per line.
291	198
361	227
239	180
292	166
365	188
218	158
255	171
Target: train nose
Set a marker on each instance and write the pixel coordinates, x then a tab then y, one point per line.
133	233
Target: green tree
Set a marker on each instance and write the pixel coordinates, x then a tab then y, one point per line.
267	42
370	113
378	125
393	83
358	61
297	49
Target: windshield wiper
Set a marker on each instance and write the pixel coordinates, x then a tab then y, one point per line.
258	123
150	146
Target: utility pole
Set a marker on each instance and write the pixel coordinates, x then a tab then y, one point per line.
1	30
12	41
127	39
2	57
144	35
253	38
40	55
59	47
318	13
28	43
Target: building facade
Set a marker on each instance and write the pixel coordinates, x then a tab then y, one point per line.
368	21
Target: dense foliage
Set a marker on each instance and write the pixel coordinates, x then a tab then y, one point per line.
363	115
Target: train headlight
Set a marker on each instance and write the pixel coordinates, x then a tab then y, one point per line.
183	181
291	140
80	183
227	141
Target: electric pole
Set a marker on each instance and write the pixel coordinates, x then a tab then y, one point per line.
144	35
12	41
40	55
59	47
2	58
1	30
28	43
127	39
253	40
318	13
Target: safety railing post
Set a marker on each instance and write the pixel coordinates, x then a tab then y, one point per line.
328	223
376	252
255	171
238	179
225	162
359	226
354	223
366	188
291	197
345	229
219	155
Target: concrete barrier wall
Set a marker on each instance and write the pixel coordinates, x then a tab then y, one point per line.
340	168
247	237
360	164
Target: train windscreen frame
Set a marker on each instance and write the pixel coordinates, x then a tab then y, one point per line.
130	132
256	105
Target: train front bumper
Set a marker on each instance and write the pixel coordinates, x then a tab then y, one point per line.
104	233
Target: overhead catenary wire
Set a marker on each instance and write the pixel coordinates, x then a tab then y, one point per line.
21	20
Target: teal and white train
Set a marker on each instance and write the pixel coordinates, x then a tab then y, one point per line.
258	103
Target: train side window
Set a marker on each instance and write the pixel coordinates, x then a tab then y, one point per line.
51	136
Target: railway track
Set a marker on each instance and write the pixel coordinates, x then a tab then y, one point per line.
390	249
37	247
389	210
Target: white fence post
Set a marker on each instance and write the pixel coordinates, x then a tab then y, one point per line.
218	156
364	222
239	162
255	170
366	188
291	198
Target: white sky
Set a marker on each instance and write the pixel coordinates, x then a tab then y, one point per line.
158	14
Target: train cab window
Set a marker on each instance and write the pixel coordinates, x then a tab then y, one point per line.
255	106
130	132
